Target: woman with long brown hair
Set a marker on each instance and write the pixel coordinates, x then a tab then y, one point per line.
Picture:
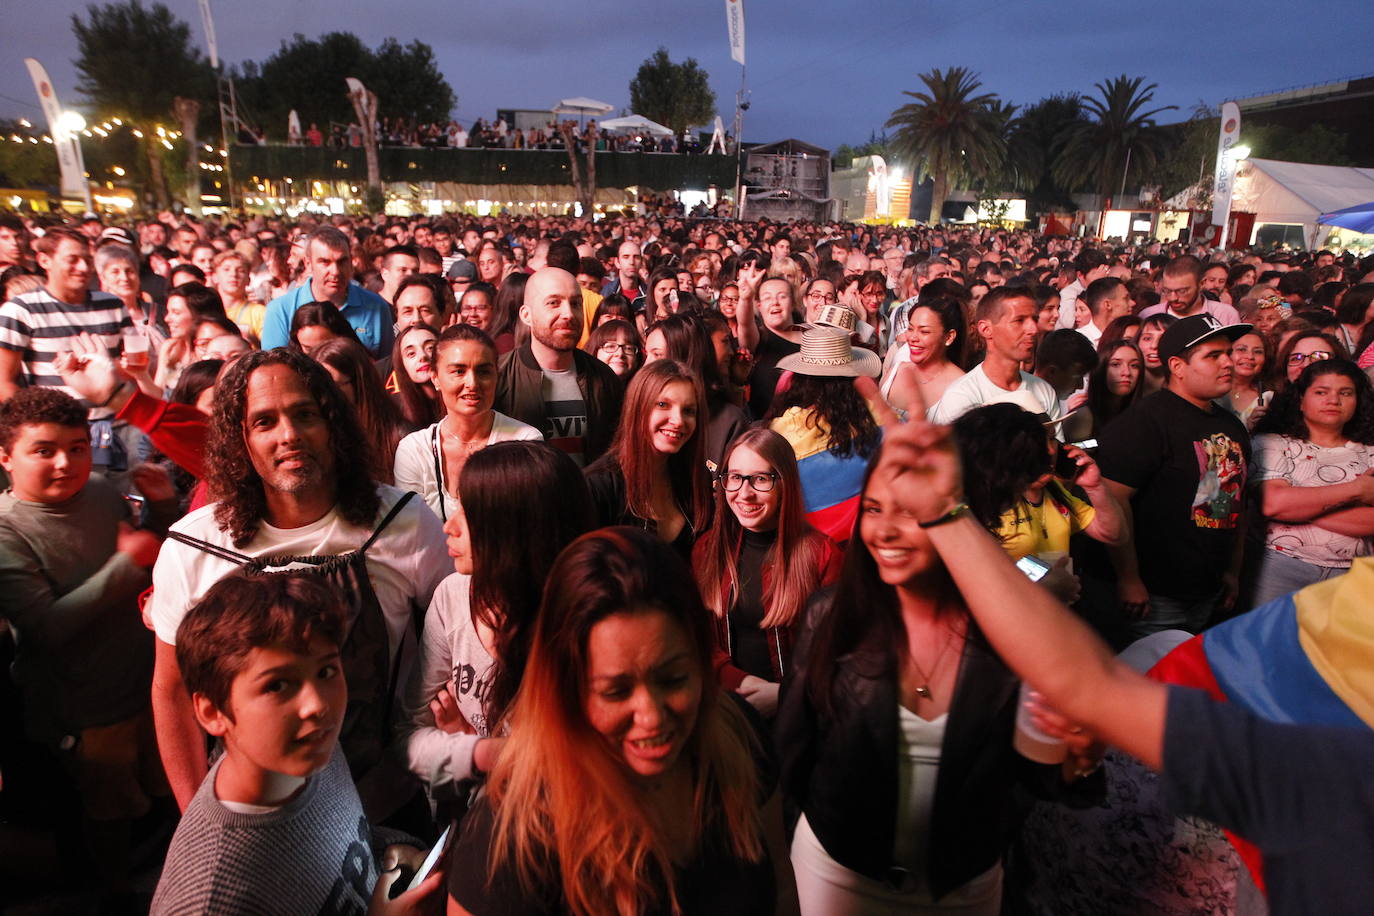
627	785
412	357
353	371
654	474
759	563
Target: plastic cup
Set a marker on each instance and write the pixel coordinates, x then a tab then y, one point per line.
135	348
1029	741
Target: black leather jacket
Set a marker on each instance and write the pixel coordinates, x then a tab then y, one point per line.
843	774
520	395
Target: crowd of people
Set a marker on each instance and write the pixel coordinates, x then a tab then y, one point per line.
660	565
491	134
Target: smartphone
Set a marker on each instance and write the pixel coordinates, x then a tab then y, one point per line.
1034	567
1085	444
436	852
1065	466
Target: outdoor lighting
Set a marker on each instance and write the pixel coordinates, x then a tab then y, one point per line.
118	170
1240	152
166	144
88	133
138	133
117	121
24	122
71	121
47	139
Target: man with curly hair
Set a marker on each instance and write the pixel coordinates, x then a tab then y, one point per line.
286	467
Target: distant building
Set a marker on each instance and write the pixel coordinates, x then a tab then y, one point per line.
786	180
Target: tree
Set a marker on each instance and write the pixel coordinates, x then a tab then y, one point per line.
308	75
1118	137
132	61
675	95
1033	146
949	133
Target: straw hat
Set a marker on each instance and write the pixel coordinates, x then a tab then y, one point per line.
827	352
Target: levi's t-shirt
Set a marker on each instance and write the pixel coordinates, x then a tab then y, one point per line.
565	413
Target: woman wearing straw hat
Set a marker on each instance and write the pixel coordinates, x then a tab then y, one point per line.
827	424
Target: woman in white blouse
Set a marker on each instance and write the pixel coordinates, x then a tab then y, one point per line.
1314	463
429	460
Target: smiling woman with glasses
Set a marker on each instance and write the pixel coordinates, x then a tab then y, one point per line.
759	563
1305	348
616	343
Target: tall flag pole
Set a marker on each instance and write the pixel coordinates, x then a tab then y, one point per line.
734	24
66	138
1224	182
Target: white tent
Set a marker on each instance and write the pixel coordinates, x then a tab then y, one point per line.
1298	193
636	124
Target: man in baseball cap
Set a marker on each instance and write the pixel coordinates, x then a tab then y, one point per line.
1180	460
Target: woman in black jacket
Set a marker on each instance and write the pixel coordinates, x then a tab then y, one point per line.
895	734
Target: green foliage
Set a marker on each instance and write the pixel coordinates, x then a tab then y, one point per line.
950	132
25	165
308	75
844	155
1316	144
1034	143
1190	155
1118	130
675	95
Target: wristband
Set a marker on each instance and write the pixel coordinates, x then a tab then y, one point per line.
114	394
949	515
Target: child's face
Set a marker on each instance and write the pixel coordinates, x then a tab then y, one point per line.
287	707
48	463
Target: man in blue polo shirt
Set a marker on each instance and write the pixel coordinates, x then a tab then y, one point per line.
329	260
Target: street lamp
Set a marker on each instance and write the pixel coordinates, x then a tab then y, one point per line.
1239	152
71	121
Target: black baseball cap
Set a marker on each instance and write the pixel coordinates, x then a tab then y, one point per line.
462	269
1187	333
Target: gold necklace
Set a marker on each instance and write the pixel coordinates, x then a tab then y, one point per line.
923	689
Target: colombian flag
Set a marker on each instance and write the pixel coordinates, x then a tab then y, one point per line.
1307	658
830	485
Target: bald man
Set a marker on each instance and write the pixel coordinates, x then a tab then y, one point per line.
565	393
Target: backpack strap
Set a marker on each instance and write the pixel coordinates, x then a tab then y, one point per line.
395	511
224	553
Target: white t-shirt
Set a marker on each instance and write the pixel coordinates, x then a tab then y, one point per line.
1304	464
975	389
405	565
420	467
452	656
1068	303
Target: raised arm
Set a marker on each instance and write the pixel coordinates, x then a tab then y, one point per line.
748	282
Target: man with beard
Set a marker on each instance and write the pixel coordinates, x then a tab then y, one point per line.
565	393
286	463
1006	320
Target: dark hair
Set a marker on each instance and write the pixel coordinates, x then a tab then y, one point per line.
219	321
1184	265
614	304
194	379
1355	304
1065	348
1003	450
419	405
606	330
524	502
377	414
440	292
201	300
1116	330
1098	290
38	405
951	314
1286	351
243	612
506	308
1284	417
235	485
321	314
833	403
688	341
991	306
591	267
1102	404
457	332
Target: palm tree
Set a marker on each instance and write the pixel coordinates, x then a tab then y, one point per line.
1037	137
1118	135
949	132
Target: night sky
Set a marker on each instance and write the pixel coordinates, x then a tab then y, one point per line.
827	74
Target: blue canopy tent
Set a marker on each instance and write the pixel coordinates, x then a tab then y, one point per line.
1359	218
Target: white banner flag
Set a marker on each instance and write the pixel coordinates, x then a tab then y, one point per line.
207	19
734	21
67	144
1225	181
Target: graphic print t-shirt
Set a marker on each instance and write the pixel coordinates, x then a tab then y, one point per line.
1188	467
565	413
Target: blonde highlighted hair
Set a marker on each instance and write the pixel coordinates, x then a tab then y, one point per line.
569	814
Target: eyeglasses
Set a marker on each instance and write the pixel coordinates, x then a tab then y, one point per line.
821	297
628	349
729	299
760	483
1316	356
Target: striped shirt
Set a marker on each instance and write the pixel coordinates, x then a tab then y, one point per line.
38	326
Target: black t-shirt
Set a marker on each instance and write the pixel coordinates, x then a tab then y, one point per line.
763	377
714	883
750	643
1301	793
1187	466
